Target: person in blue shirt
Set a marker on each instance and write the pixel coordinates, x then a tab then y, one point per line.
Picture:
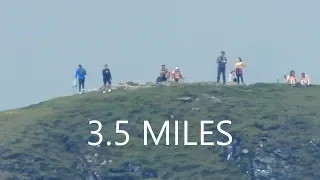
81	76
222	61
107	78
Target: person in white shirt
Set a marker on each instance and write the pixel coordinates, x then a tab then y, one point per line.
291	79
305	80
232	77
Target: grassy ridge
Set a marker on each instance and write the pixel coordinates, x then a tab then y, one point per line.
50	139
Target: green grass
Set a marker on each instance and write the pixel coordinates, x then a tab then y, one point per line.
48	139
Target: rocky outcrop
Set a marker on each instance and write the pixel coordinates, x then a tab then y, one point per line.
130	85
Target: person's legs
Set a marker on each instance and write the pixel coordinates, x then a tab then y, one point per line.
79	84
241	76
238	78
218	76
104	85
224	75
165	78
83	84
304	84
161	79
109	83
158	79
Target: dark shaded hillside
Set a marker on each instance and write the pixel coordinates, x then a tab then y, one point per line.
275	129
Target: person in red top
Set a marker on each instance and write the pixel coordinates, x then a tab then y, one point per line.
176	75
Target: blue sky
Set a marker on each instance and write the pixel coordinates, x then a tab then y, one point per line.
42	42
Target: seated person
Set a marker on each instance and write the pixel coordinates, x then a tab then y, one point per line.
305	80
176	75
232	76
163	75
291	79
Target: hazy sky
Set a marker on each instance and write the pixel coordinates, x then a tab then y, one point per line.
42	42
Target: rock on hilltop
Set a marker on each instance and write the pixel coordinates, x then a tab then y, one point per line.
275	131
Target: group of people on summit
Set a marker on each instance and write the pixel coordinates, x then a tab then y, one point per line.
291	79
235	76
165	75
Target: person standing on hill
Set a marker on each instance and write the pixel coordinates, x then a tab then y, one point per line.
222	61
239	70
232	77
107	78
81	76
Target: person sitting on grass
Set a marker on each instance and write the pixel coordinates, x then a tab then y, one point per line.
305	80
291	79
176	75
232	77
163	75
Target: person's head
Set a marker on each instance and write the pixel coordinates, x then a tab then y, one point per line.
106	66
80	66
163	66
292	73
303	74
223	53
232	72
177	69
239	59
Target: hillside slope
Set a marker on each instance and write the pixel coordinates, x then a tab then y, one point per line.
275	131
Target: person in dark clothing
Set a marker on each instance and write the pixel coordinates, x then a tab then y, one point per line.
163	75
239	76
222	61
107	78
81	76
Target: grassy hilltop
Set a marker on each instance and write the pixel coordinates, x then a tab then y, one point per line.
276	127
